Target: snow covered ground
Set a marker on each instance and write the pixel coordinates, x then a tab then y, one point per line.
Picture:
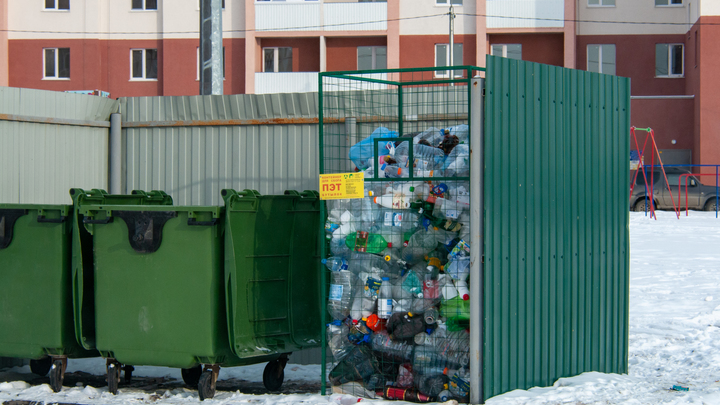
674	338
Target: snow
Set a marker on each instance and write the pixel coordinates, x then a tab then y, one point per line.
674	338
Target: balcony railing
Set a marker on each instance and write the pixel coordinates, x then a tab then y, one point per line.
281	16
303	82
525	13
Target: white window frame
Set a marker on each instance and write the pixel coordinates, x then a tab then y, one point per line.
669	4
600	3
276	58
144	7
669	56
374	56
197	71
444	73
504	50
57	64
446	3
286	1
56	7
600	57
144	67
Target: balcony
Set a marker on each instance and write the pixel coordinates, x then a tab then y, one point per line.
303	82
525	13
306	16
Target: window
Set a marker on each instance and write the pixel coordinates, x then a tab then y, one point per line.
371	57
601	59
198	64
445	2
277	59
512	51
668	2
57	63
143	64
57	4
442	58
601	3
144	4
669	60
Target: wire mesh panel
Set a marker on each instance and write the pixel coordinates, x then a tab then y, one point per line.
397	259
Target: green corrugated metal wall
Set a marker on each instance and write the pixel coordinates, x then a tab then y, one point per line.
556	224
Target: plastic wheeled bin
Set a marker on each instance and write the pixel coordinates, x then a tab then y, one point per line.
273	286
36	307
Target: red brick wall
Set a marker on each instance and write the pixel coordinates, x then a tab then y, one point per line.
342	52
540	48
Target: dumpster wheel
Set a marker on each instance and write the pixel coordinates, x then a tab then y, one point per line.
208	380
191	376
41	367
113	375
57	373
274	373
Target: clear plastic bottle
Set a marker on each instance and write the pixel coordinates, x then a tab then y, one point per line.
431	135
335	263
395	201
412	284
381	342
434	156
337	336
385	304
431	384
459	384
457	163
341	293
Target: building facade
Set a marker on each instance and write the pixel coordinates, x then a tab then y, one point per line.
150	48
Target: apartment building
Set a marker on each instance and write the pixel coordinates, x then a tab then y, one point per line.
150	47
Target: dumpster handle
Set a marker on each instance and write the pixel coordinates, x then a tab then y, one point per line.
193	222
107	220
41	218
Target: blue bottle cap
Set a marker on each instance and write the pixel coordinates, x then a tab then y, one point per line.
385	278
323	261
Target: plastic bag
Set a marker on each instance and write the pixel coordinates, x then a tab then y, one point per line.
361	154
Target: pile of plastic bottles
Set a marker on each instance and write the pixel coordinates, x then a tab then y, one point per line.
398	294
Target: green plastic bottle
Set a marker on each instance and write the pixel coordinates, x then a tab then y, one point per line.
366	242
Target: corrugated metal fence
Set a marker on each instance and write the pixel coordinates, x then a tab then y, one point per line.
556	224
50	142
193	147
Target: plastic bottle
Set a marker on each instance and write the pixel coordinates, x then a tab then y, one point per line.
434	156
412	284
431	135
362	306
462	288
366	262
375	323
395	201
341	293
431	385
448	290
381	342
337	336
458	268
459	384
461	131
443	396
431	316
403	394
405	376
395	171
361	154
366	242
335	263
385	304
449	209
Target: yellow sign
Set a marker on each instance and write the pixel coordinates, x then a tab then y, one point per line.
338	186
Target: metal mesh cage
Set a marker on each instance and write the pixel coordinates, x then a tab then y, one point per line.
397	260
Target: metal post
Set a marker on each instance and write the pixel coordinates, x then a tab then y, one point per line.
477	224
211	49
116	155
452	40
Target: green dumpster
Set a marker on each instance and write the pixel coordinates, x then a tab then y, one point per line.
160	291
36	309
273	287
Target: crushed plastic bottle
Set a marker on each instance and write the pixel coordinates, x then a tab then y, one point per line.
335	263
382	342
